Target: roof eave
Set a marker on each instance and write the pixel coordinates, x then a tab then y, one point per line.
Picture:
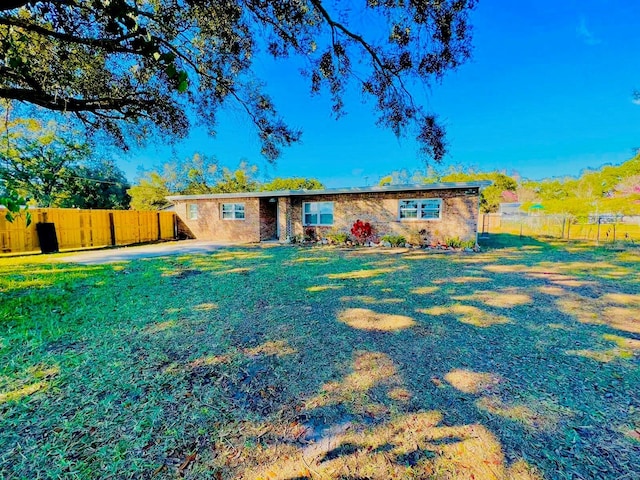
337	191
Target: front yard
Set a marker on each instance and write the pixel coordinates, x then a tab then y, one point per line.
517	362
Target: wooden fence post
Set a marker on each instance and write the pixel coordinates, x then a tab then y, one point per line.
159	226
112	229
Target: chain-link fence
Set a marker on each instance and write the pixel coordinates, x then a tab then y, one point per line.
596	228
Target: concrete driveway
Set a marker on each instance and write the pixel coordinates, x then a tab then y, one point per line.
124	254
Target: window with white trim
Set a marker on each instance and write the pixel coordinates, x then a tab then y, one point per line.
192	211
317	213
421	209
233	211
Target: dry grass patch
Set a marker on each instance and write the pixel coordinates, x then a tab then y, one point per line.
504	298
602	356
622	299
467	314
359	274
370	369
623	342
234	270
550	290
365	319
209	360
323	288
371	300
625	319
25	391
160	326
535	416
424	290
205	307
411	446
468	381
279	348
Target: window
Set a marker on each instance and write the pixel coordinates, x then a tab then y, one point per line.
317	213
233	211
192	211
421	209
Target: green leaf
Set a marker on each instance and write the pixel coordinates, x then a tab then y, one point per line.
171	70
182	87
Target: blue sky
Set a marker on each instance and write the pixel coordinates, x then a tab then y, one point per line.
548	92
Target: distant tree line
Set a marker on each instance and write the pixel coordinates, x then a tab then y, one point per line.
609	189
201	175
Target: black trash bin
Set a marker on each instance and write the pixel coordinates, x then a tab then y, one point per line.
47	237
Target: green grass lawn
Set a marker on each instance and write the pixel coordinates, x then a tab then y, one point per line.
521	361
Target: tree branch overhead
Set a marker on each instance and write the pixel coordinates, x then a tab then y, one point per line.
60	55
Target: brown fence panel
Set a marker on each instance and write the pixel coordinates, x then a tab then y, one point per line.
127	227
166	220
148	222
16	236
86	228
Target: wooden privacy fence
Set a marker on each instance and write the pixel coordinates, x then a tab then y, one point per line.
87	228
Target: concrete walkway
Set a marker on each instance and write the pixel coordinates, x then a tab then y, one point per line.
125	254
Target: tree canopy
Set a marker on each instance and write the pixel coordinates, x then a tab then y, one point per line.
490	197
202	175
128	66
48	166
292	184
611	189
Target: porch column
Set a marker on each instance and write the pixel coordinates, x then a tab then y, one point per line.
284	219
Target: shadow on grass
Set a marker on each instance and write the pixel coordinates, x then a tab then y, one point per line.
261	366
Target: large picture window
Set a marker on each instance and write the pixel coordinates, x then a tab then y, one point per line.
421	209
233	211
317	213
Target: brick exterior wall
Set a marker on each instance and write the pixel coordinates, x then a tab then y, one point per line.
210	226
459	214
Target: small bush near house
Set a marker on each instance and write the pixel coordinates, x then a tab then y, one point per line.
362	231
337	237
468	244
453	242
394	240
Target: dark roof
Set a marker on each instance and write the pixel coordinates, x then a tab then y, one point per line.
338	191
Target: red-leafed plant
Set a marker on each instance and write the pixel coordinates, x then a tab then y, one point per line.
362	231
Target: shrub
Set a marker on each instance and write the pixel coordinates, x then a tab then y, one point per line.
337	237
468	244
394	240
454	242
362	231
